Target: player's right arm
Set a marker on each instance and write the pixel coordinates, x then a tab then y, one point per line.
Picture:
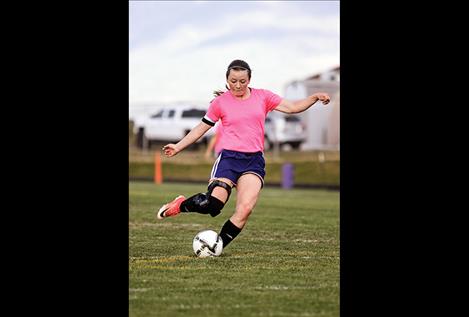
197	132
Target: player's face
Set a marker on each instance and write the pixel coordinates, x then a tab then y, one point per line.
238	81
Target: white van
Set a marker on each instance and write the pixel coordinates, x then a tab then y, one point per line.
169	125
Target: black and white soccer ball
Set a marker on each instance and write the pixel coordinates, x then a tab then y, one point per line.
207	243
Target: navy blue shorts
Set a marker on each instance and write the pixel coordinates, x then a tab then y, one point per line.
233	164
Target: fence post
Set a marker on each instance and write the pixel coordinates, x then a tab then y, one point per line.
158	170
287	176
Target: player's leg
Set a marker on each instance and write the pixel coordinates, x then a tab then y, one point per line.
211	202
248	189
222	179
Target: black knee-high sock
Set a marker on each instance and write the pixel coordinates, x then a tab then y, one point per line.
228	232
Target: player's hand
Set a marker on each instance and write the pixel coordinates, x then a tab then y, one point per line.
170	150
323	97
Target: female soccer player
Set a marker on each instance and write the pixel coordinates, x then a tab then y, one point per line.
242	111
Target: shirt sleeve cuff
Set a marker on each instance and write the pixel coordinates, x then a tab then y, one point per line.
208	121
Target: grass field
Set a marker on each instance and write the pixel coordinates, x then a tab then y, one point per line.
284	263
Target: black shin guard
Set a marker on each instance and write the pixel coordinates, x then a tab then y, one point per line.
205	203
228	232
202	204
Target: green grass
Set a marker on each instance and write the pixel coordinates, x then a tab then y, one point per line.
284	263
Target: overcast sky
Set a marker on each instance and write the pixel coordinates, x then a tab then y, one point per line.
179	50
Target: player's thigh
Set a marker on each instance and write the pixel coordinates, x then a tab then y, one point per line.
248	189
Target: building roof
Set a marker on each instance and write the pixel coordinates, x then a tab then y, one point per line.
318	75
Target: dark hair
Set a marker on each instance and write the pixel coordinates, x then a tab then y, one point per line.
238	64
217	93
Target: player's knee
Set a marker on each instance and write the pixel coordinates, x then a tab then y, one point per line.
220	184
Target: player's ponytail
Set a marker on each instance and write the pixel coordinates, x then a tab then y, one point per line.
217	93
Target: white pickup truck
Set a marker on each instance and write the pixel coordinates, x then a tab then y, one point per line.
169	125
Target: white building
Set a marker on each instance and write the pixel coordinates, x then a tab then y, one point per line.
321	121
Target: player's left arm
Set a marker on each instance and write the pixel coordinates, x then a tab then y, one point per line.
288	106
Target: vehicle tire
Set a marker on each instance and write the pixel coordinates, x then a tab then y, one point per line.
295	145
146	143
139	138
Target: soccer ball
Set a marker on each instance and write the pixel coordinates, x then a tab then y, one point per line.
207	243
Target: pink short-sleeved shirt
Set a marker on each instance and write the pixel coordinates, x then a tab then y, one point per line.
218	130
243	120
